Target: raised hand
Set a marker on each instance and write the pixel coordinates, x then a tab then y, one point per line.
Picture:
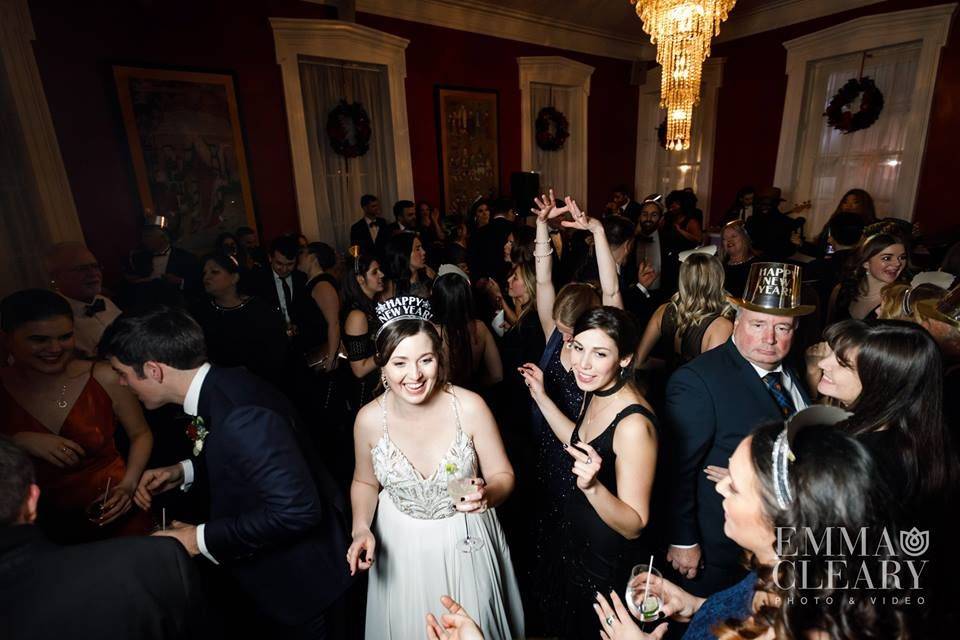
646	275
580	219
533	378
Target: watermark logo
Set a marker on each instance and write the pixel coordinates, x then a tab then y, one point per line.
914	542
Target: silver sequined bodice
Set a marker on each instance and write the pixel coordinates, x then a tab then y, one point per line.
414	495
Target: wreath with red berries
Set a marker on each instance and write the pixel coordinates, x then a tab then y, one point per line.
552	129
348	127
841	117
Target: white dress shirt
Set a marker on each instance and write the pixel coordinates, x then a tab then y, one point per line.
191	404
87	330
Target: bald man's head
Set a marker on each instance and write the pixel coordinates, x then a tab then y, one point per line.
75	271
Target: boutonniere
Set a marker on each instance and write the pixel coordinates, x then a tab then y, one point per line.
197	432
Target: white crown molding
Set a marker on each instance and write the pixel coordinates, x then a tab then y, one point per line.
561	72
341	41
512	24
54	196
931	25
782	13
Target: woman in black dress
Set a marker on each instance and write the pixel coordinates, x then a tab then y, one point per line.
318	310
240	330
363	285
613	452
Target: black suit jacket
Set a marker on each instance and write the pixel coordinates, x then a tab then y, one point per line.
184	264
713	402
632	211
262	285
145	588
360	235
276	519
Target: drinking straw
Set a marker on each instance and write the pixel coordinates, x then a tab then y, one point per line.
646	587
106	492
163	525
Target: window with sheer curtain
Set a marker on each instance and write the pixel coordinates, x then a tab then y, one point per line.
558	169
25	235
829	162
339	182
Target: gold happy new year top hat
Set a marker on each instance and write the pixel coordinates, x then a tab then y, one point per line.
774	288
945	309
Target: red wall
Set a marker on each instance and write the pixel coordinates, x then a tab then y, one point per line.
76	44
750	108
447	57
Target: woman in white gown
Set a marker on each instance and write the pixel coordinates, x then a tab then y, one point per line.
410	442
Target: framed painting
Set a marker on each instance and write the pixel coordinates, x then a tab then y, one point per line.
467	129
185	140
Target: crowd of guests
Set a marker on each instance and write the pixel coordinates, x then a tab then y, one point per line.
513	423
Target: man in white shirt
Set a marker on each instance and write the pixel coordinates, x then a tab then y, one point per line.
715	401
75	274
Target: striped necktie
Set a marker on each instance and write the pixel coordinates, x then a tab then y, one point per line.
774	382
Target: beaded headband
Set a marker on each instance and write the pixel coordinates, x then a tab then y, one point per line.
783	456
403	308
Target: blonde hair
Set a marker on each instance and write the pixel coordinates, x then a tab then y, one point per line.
529	280
572	301
701	292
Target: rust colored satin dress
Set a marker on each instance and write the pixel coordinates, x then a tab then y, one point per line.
65	493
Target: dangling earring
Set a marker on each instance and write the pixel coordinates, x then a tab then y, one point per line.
383	380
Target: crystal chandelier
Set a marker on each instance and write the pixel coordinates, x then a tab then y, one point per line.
682	30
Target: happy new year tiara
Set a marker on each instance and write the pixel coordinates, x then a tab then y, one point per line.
403	308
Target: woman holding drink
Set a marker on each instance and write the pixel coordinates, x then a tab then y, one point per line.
430	467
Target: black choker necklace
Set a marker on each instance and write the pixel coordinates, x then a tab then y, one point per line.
621	381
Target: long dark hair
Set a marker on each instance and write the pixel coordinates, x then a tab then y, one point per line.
352	295
868	211
854	281
397	261
836	486
901	371
452	303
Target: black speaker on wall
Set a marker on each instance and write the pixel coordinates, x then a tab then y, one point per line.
524	187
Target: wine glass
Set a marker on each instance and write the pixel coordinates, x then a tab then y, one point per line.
649	609
460	488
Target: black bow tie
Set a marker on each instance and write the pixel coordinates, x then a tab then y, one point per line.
95	308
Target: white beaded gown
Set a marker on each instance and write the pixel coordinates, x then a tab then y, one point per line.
417	531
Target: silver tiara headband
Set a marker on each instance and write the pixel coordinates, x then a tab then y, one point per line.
783	456
402	308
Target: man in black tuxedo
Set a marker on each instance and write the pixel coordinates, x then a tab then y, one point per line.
404	217
370	232
486	245
282	284
122	588
276	521
656	265
622	203
713	403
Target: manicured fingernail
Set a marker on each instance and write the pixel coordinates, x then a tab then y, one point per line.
463	499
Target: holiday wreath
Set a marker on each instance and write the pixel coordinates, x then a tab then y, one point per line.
552	129
348	127
871	104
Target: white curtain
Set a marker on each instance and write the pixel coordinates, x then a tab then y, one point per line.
557	169
830	162
340	182
24	236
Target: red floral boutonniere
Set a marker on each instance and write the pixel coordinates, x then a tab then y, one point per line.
197	433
